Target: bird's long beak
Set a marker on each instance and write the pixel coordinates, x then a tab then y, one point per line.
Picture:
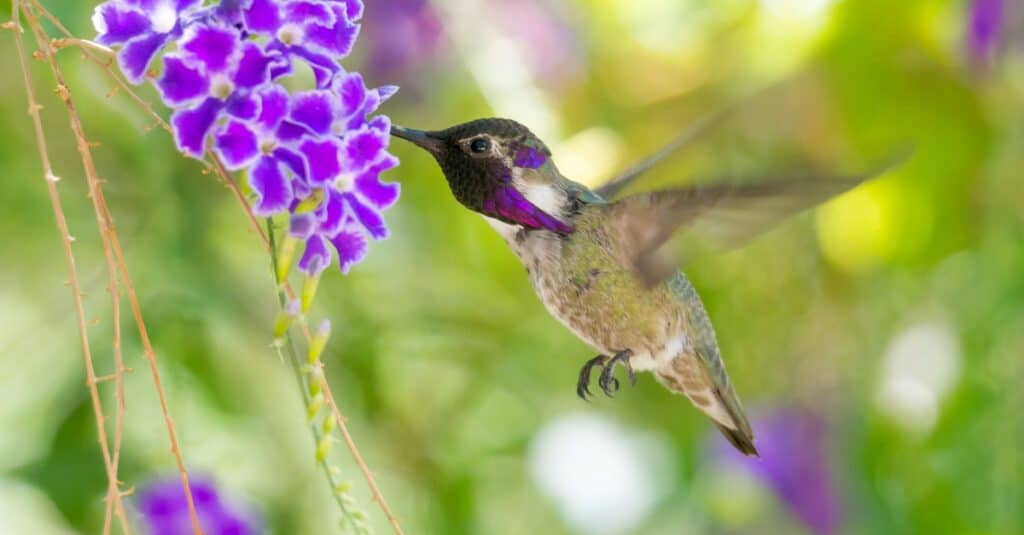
425	140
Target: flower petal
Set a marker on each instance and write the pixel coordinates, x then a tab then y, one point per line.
295	163
136	54
273	106
322	160
368	185
309	11
351	92
229	11
381	124
363	148
117	23
242	105
271	186
253	67
302	225
192	125
370	103
181	83
335	40
353	9
262	16
368	217
288	132
351	247
237	145
385	92
316	257
333	213
313	110
215	48
185	5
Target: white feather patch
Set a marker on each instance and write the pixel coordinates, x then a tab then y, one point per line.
545	197
646	361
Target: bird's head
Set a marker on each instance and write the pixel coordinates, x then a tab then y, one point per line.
498	168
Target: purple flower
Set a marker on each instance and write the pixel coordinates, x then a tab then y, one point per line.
141	28
795	464
318	31
316	154
164	510
986	21
213	73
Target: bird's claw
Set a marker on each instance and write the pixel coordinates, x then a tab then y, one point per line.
607	381
583	384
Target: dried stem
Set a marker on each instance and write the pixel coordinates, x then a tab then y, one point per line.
106	229
114	502
217	168
115	264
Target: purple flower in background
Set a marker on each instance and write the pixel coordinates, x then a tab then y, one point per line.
795	464
986	21
165	511
316	154
412	39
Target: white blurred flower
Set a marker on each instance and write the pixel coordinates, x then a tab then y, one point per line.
604	478
922	364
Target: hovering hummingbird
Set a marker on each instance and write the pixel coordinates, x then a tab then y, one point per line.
594	260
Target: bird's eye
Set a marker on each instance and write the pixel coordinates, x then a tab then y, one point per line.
480	145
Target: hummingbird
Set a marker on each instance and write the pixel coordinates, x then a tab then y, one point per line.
598	260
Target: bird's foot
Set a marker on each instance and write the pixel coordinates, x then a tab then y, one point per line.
583	384
607	381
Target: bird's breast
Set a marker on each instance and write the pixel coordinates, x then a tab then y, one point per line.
601	302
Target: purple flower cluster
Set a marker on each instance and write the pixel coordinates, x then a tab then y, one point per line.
165	510
316	154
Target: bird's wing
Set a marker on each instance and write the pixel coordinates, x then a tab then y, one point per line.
702	126
714	217
616	184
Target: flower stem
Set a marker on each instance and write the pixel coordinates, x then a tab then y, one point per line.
305	375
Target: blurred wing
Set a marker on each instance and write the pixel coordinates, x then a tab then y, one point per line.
616	184
702	126
714	217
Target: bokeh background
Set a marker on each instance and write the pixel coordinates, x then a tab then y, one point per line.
877	342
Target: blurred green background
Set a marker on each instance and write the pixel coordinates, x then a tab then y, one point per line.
894	315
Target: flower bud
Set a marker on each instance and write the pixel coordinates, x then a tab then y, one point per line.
285	257
316	346
309	292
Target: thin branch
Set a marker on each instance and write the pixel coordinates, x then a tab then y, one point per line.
106	228
110	463
114	256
